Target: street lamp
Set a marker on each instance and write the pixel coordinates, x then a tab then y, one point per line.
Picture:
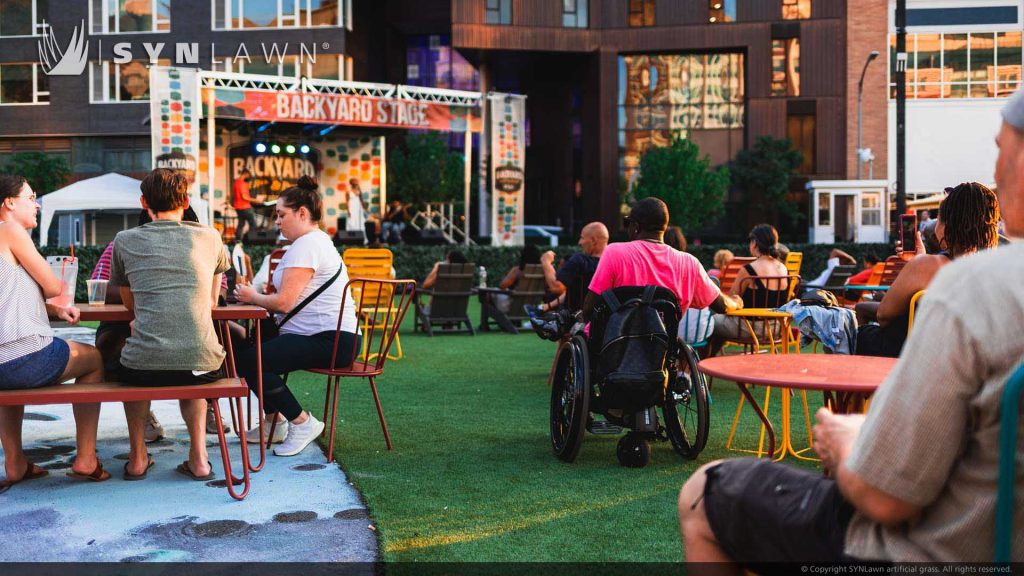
860	95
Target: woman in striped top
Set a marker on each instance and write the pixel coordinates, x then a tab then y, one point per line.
30	356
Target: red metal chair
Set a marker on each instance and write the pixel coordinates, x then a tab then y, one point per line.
386	302
275	259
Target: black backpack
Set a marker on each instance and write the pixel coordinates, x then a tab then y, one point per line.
632	351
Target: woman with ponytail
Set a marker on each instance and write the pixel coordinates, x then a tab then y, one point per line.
306	338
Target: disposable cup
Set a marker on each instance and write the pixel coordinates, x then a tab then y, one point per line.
66	269
97	291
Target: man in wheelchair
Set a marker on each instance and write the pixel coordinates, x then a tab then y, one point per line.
627	361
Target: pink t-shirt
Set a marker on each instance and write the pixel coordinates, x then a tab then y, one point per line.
643	263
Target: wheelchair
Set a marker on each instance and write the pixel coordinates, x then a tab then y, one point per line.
630	366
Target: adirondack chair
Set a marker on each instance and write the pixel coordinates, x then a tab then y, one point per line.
793	262
730	271
893	266
530	290
373	264
449	299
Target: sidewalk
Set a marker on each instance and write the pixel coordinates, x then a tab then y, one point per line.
299	508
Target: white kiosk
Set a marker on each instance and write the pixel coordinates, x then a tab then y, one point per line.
848	211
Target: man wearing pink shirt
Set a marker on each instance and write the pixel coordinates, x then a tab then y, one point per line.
647	261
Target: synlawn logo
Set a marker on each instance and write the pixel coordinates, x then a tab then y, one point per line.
67	62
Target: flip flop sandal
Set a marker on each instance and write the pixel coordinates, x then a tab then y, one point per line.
135	477
31	473
184	469
97	475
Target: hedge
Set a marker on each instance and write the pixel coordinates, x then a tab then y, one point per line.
416	261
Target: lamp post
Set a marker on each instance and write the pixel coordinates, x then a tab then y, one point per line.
860	95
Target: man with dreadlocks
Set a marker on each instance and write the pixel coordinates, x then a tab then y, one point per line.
915	478
968	222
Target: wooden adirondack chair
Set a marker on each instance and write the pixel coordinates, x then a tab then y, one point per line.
793	262
449	299
530	290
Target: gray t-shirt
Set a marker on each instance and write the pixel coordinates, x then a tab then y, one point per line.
931	437
169	267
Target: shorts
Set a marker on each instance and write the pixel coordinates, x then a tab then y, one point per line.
41	368
766	512
157	378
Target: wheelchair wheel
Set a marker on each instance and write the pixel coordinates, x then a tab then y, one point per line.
634	450
686	412
570	399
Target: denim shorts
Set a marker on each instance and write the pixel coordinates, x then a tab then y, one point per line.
37	369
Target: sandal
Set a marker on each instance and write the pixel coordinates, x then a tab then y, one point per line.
31	473
134	477
184	469
97	475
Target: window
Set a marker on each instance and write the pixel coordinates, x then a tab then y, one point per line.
870	209
123	16
22	17
786	67
663	96
959	65
326	66
800	129
641	13
498	12
796	9
824	209
574	13
722	10
23	84
128	82
249	14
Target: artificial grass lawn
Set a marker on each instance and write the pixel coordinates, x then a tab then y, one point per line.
472	477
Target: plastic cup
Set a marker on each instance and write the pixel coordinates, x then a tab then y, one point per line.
66	269
97	291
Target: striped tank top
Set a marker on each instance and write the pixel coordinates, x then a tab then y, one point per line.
24	325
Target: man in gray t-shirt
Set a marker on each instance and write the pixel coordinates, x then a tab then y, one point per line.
169	274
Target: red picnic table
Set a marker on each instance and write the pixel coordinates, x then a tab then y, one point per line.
846	380
221	315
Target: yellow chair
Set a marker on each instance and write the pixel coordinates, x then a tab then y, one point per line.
793	262
913	309
373	264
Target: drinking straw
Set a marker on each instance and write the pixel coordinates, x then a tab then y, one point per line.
72	251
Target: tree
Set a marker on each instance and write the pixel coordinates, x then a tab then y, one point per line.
694	193
45	173
763	173
424	170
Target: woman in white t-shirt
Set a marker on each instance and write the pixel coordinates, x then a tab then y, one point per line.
307	338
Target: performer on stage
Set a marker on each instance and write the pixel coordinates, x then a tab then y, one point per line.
243	205
356	208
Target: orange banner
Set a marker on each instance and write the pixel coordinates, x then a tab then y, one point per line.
345	110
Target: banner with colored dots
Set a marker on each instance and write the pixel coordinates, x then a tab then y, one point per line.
174	121
508	168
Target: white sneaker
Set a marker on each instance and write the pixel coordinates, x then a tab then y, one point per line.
299	436
280	432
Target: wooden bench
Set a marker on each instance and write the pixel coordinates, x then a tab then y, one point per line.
114	392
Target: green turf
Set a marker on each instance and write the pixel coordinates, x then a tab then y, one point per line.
472	476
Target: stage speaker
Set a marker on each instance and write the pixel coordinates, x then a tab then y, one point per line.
260	237
349	238
432	237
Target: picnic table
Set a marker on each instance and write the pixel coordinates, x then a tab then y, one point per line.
846	380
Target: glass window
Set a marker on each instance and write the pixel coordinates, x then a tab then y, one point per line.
722	10
982	66
796	9
23	84
21	17
128	82
954	67
870	209
1008	62
259	14
786	67
641	13
824	209
242	14
123	16
801	131
498	12
574	13
962	65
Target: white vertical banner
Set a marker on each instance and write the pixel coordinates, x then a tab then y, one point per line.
174	121
508	168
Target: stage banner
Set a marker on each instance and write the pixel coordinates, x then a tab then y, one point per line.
345	110
508	168
174	121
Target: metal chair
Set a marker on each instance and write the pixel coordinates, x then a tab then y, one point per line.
388	299
372	264
793	262
913	309
729	272
274	260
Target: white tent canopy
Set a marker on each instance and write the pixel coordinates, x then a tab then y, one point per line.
108	192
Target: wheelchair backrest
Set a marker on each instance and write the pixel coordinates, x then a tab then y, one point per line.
633	330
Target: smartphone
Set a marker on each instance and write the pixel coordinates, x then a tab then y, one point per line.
908	231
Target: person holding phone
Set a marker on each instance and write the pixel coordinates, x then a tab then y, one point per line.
968	221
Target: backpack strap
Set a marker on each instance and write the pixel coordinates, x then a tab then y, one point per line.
611	299
648	295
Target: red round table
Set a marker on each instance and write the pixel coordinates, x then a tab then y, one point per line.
849	378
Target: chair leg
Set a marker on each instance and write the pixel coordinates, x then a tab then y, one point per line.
380	412
327	401
334	421
429	326
469	324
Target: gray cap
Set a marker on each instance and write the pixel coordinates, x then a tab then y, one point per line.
1013	112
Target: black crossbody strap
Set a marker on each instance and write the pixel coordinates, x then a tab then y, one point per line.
311	297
